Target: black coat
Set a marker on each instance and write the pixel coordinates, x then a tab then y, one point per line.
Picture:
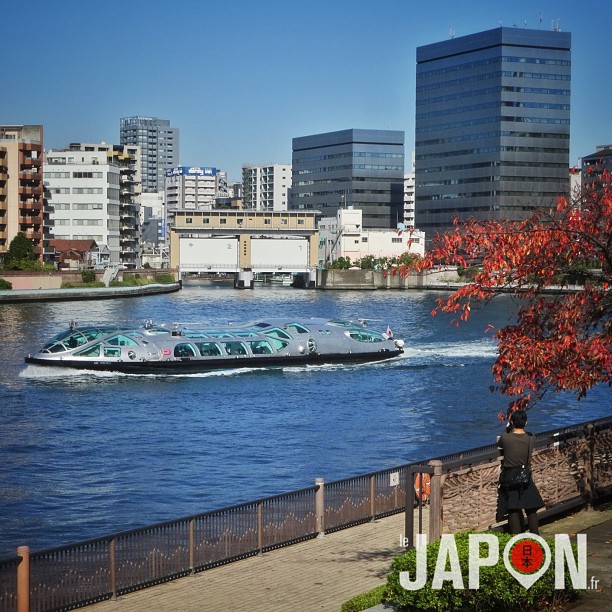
528	498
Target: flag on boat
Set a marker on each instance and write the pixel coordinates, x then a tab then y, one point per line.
389	332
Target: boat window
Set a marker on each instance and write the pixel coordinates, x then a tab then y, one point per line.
209	349
245	334
122	340
135	334
261	347
184	350
235	348
54	347
112	351
219	334
300	329
278	345
74	339
91	351
341	324
361	335
194	334
277	332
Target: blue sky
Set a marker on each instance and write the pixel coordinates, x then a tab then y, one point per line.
241	79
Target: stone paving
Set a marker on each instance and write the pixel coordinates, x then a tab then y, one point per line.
323	573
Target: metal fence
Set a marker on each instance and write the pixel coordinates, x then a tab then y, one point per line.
579	459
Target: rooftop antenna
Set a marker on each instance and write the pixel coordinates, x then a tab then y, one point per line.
541	17
556	25
452	32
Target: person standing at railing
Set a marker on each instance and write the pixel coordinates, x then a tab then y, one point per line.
516	489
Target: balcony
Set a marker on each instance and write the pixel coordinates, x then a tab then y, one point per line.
31	205
26	160
31	190
29	221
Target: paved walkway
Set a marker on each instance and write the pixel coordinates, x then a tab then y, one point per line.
323	573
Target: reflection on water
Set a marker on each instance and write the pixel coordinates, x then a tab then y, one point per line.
84	454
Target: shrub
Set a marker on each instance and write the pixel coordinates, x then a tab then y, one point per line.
165	278
499	591
5	285
364	600
88	276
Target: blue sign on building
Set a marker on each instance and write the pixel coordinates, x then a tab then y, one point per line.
191	171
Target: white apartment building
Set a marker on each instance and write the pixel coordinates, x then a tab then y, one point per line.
93	190
266	187
409	196
344	236
191	188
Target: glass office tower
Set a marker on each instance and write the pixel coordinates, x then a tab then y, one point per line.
359	168
492	126
159	147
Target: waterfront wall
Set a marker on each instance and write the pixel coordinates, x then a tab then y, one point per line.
572	467
45	279
446	277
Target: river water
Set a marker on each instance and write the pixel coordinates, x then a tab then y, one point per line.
84	455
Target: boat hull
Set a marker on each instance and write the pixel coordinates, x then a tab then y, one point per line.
195	366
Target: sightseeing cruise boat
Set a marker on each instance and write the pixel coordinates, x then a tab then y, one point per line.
183	348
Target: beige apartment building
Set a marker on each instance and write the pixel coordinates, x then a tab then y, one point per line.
21	187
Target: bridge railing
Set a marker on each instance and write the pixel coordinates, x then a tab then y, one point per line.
572	466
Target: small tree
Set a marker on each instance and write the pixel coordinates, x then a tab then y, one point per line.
560	342
20	254
342	263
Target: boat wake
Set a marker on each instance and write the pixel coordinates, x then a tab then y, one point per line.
51	373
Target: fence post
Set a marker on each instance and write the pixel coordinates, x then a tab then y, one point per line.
320	506
409	510
112	568
372	496
260	527
192	545
23	579
435	501
589	466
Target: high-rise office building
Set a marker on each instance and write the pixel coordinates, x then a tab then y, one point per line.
21	188
159	148
359	168
492	126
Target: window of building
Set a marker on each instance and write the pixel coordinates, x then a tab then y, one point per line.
364	239
188	220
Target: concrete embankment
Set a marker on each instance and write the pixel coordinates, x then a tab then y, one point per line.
445	278
48	295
